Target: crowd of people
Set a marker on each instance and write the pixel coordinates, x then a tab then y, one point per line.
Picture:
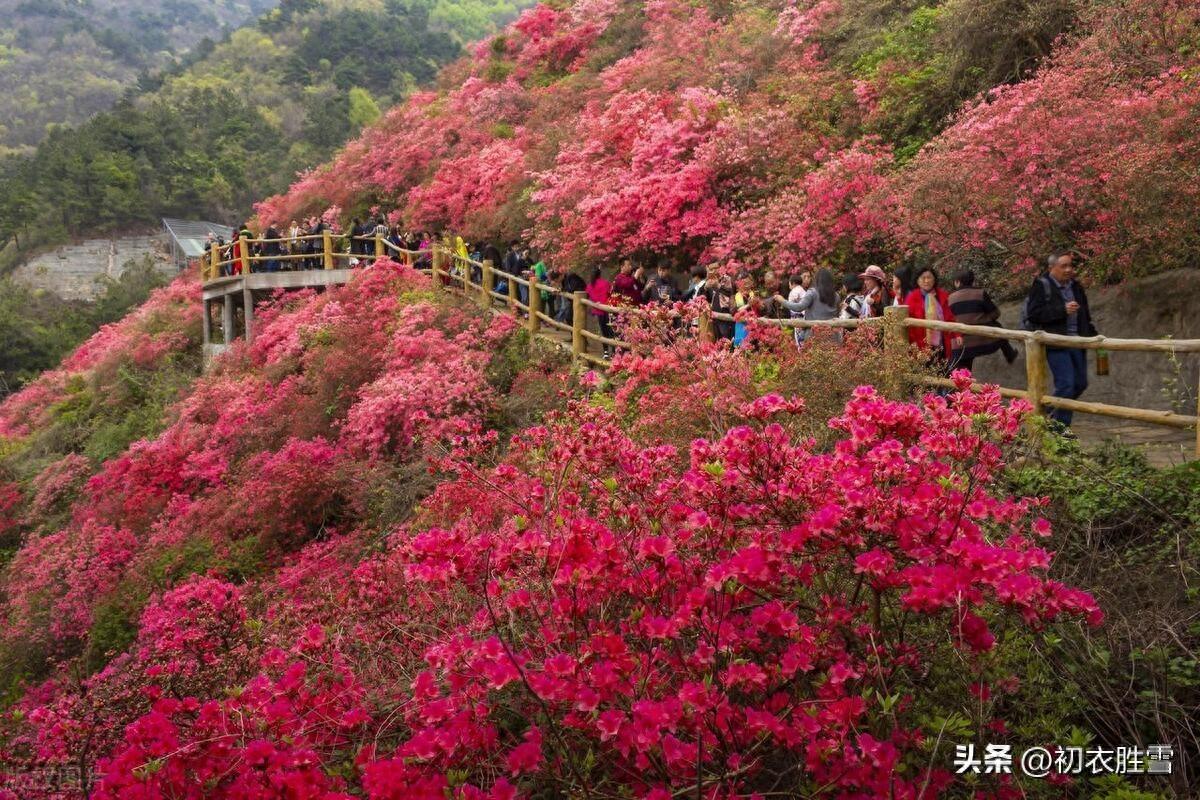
1055	303
301	246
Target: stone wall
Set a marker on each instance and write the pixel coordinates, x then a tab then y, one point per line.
1167	304
71	271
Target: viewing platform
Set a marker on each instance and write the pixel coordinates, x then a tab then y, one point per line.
231	285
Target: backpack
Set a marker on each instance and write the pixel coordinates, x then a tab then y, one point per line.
1026	324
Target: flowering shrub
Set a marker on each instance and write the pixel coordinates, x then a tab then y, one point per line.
1073	156
630	181
276	448
635	624
749	135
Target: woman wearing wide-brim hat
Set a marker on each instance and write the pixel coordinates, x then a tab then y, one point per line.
875	293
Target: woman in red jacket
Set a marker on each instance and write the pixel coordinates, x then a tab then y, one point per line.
928	301
625	286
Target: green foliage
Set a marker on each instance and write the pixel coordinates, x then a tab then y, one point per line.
363	108
62	61
37	328
236	121
114	628
1129	534
924	59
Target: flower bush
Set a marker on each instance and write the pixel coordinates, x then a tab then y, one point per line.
596	616
801	133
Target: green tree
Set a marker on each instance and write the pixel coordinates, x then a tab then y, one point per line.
363	108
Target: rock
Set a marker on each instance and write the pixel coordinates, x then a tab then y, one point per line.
71	271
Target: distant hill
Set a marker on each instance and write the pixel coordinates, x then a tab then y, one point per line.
62	61
235	120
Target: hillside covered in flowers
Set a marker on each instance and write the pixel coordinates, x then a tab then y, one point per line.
385	551
802	132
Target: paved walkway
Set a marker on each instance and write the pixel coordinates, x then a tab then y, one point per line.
1163	446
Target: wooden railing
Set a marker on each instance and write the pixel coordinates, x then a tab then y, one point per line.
454	272
478	279
213	265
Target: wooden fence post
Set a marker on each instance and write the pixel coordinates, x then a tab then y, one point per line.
512	294
327	244
216	263
535	305
578	320
1037	373
704	326
489	283
435	268
895	346
246	263
378	247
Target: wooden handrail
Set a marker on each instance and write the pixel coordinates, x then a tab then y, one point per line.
1058	340
896	322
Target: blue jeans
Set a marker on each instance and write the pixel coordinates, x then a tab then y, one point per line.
566	310
1069	368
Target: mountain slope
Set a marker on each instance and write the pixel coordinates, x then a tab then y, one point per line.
804	133
383	552
62	62
238	120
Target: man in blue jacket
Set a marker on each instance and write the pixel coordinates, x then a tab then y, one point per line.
1058	304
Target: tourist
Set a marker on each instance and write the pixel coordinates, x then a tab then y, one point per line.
492	253
598	291
568	284
696	284
972	306
639	276
398	241
539	271
660	289
817	303
744	300
902	285
719	294
514	265
315	243
929	301
875	293
768	308
625	287
235	253
1058	304
272	248
294	234
852	300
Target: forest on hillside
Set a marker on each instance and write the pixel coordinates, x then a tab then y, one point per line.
236	119
63	61
805	133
